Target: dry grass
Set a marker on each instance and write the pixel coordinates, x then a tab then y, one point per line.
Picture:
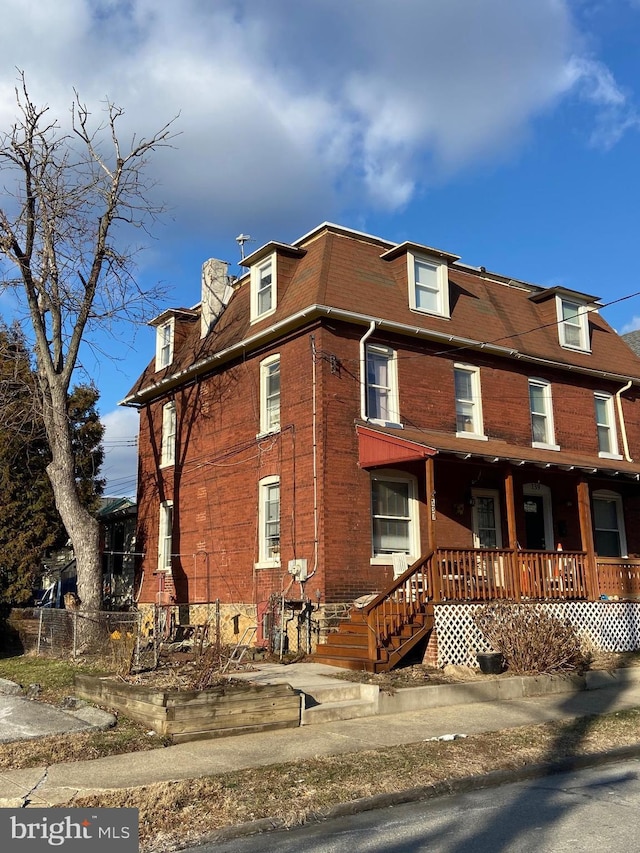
182	813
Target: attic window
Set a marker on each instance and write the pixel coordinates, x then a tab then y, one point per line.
263	288
573	324
164	344
428	285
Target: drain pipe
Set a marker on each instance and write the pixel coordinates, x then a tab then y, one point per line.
363	369
623	428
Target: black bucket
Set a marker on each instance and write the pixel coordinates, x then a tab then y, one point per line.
491	663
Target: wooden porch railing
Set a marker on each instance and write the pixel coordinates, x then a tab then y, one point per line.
618	577
478	574
399	604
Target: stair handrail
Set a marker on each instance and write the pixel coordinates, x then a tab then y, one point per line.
376	619
397	583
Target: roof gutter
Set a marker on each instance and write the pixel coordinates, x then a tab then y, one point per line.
314	311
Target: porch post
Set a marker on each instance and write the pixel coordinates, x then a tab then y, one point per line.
514	569
431	501
586	537
430	489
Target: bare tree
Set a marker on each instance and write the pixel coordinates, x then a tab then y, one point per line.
67	198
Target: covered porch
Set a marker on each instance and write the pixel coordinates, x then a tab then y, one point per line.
529	527
522	527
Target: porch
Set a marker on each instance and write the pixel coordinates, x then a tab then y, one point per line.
379	635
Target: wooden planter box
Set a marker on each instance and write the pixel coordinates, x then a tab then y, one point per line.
198	714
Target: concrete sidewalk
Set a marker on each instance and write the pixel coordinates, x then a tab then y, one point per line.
60	784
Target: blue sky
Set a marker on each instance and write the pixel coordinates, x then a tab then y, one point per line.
504	131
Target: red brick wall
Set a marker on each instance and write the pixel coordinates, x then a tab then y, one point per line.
214	484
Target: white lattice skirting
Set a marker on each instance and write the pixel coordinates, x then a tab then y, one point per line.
610	626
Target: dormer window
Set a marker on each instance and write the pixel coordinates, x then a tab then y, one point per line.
164	344
263	288
428	285
573	324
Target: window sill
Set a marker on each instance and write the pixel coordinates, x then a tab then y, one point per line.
267	564
541	445
166	465
604	455
267	432
474	435
425	313
260	317
586	350
387	560
379	422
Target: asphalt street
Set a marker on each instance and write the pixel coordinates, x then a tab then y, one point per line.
592	809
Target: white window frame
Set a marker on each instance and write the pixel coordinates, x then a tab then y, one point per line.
165	537
607	426
439	288
268	557
269	416
258	288
168	442
494	494
164	343
550	444
412	520
616	499
475	403
390	389
578	323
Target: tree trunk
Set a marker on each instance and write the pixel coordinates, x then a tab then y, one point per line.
82	527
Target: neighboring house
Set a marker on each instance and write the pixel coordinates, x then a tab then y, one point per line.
350	407
117	518
118	521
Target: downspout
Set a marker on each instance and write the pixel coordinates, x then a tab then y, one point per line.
623	428
314	442
363	369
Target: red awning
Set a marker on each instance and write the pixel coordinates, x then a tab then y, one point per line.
380	448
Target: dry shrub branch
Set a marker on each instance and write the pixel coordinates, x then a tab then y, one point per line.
530	639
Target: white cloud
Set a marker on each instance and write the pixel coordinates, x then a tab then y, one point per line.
121	452
632	326
290	110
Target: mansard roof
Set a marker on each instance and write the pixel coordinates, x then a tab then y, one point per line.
335	271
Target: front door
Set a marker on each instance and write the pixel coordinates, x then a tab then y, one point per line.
538	523
534	523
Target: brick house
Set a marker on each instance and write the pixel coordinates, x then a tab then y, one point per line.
354	416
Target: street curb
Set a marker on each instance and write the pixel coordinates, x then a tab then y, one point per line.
444	788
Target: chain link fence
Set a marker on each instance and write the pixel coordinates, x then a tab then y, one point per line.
115	637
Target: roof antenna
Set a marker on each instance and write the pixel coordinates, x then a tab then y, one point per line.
241	239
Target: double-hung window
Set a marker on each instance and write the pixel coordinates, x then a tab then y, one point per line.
428	285
541	407
382	385
270	394
573	324
263	288
165	536
468	401
606	426
269	522
394	516
168	447
164	344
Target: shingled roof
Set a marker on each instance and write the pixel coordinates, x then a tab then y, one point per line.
361	278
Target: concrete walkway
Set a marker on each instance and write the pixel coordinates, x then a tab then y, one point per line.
60	784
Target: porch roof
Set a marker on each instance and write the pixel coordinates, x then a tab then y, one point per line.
418	444
382	447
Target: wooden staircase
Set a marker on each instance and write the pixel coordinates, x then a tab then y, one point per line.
378	636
